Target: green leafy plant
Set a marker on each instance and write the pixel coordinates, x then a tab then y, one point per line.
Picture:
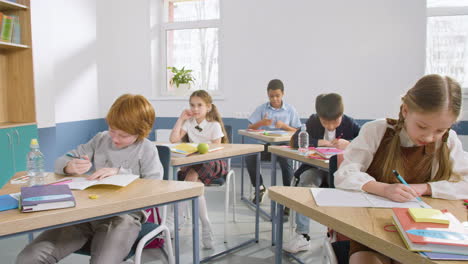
181	76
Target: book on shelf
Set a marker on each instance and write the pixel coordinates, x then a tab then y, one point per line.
431	237
16	34
6	31
81	183
187	149
46	197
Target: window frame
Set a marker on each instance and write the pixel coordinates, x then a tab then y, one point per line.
162	93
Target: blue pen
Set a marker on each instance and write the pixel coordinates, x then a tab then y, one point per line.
72	156
405	183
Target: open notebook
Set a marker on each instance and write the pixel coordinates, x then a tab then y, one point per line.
345	198
81	183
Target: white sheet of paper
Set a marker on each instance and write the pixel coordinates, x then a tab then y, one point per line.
346	198
81	183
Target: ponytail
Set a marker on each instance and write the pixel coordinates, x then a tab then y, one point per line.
214	115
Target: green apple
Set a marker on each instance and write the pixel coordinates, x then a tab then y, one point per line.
203	148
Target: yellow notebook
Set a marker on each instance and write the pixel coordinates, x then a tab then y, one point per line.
185	148
428	215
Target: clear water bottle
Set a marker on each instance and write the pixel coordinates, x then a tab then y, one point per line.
35	164
303	141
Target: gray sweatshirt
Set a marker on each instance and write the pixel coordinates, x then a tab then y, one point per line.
140	158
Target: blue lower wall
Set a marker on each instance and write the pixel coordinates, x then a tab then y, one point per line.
55	141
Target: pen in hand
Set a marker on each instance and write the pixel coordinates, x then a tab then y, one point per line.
73	156
405	183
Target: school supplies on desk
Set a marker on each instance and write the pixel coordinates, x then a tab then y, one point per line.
46	197
431	237
444	256
8	202
187	149
326	153
255	130
428	215
81	183
276	133
345	198
418	199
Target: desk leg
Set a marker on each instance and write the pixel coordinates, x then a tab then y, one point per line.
273	207
279	235
195	231
176	222
242	172
257	199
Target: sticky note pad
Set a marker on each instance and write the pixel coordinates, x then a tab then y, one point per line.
428	215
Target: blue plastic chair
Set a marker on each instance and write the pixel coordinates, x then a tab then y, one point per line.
149	231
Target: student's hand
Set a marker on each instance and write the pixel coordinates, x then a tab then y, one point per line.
340	143
399	192
266	121
78	166
280	124
103	173
186	114
422	188
324	143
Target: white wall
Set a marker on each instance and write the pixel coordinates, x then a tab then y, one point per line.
65	63
370	51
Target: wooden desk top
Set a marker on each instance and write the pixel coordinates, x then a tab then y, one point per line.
112	199
228	151
292	154
365	225
265	138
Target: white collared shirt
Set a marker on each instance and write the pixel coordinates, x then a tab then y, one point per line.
209	131
329	135
359	155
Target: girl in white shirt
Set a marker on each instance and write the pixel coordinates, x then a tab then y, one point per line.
419	145
202	123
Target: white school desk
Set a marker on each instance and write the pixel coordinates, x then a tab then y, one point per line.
138	195
365	225
289	153
228	151
274	140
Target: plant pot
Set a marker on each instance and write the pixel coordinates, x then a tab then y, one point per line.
182	90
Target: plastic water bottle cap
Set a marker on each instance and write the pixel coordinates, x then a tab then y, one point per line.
34	142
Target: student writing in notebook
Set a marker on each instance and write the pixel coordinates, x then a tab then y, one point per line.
420	145
202	123
274	114
329	127
123	149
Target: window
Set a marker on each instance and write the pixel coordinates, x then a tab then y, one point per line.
188	38
447	39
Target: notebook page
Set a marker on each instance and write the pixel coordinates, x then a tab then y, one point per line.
339	198
382	202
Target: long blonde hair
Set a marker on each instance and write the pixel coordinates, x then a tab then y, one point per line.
213	114
432	93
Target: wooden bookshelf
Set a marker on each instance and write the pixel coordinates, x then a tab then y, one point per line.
8	5
17	104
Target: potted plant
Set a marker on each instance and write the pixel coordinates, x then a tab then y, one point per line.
182	78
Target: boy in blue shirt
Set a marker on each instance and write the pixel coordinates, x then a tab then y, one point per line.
275	114
329	127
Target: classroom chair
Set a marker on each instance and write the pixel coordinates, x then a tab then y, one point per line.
149	231
225	183
336	247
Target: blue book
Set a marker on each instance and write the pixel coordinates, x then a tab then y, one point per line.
444	256
7	202
46	197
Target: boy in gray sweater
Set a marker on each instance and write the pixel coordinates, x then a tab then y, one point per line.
123	149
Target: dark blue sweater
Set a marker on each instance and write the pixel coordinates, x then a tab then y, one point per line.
348	129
